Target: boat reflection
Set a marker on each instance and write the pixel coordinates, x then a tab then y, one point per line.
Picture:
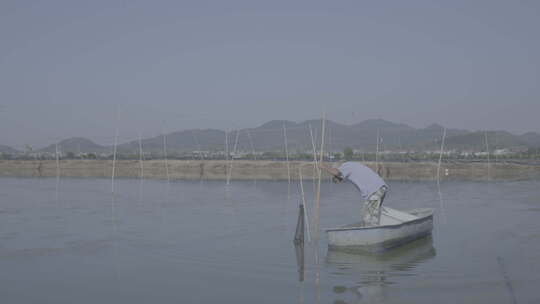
300	260
372	274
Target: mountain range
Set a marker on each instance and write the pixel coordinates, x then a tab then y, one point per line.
270	137
8	150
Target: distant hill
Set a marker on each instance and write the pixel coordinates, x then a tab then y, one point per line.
8	150
532	139
270	137
76	145
362	135
187	140
477	141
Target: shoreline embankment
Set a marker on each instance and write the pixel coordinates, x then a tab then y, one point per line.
259	170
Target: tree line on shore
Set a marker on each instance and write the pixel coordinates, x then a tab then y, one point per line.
347	154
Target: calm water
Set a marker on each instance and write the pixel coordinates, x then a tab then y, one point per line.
198	242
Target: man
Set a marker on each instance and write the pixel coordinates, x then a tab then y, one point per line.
371	186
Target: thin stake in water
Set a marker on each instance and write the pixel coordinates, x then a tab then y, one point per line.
506	280
329	149
488	160
315	167
165	157
57	170
251	144
197	144
300	226
377	154
141	166
232	157
114	150
439	177
306	217
226	152
440	155
287	160
318	194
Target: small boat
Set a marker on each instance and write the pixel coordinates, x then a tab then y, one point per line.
396	228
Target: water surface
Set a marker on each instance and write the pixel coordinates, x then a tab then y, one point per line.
202	242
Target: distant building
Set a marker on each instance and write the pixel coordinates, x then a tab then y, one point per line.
500	152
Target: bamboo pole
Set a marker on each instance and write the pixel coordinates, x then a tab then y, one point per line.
440	156
141	166
306	217
232	158
165	157
315	167
57	171
226	149
251	144
57	161
197	144
226	152
329	150
443	215
377	154
488	160
287	160
401	148
236	142
318	194
114	151
495	147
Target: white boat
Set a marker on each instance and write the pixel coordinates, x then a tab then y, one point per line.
396	228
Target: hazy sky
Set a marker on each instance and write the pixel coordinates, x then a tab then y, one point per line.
66	66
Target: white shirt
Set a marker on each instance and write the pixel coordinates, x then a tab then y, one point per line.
365	179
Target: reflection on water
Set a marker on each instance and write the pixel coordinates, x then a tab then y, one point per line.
300	260
370	275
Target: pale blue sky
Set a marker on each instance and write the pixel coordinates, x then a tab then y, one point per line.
65	66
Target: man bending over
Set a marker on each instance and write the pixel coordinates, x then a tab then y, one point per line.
371	186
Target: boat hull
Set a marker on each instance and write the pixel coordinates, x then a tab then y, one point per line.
383	237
